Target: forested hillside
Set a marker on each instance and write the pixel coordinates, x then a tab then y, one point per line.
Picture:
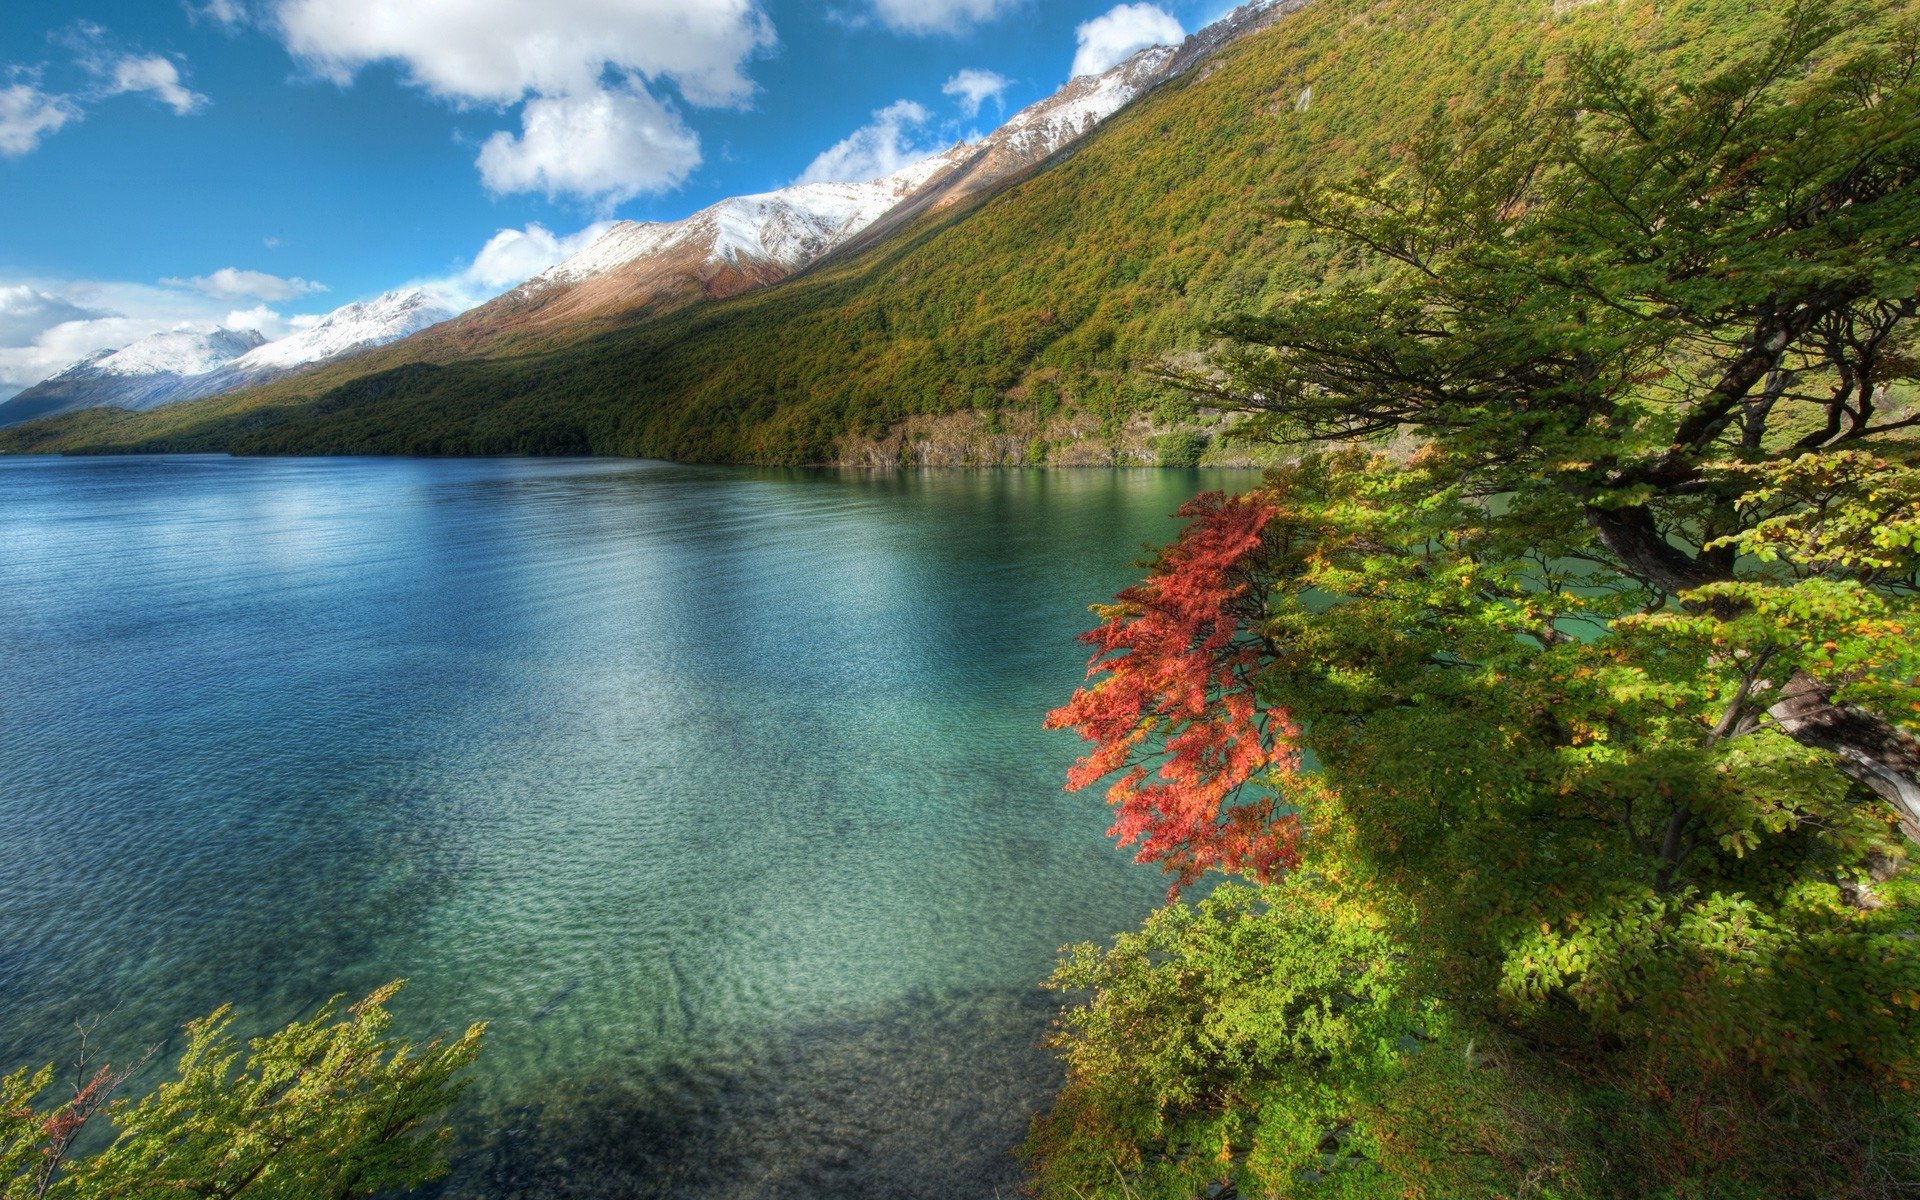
1045	302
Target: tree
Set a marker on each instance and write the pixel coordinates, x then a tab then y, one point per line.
324	1109
1604	663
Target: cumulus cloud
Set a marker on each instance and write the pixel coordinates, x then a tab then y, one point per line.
938	16
514	255
231	283
973	87
607	146
486	51
1111	38
156	74
509	257
28	114
581	135
882	147
268	322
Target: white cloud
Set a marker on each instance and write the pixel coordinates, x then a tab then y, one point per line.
153	73
974	87
26	312
509	257
607	146
28	114
514	255
497	51
230	13
1111	38
231	283
267	321
580	135
873	150
938	16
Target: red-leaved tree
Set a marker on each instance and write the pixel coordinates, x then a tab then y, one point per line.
1170	705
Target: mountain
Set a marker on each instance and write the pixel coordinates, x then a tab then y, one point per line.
1016	323
740	243
158	369
167	368
348	330
748	242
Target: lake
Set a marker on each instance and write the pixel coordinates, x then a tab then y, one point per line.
721	793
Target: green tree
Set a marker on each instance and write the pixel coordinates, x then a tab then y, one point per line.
1606	668
326	1109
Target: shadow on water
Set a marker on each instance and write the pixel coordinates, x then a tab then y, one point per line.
927	1099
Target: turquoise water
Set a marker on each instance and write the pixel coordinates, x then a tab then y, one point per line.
721	793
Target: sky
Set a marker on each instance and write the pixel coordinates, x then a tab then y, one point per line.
256	163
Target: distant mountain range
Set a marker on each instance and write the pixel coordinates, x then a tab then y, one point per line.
165	368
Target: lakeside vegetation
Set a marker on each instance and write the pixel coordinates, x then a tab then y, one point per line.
330	1108
1597	885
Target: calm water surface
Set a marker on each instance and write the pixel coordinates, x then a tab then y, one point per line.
722	794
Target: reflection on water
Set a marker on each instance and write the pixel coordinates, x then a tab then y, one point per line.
721	793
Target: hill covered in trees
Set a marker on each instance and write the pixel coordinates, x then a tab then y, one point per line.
1019	326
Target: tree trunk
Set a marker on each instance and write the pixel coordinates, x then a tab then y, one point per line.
1869	749
1872	751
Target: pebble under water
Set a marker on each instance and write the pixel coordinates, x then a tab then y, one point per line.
721	793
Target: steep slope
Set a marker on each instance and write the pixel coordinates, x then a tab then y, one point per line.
1022	317
1028	138
155	370
748	242
169	368
740	243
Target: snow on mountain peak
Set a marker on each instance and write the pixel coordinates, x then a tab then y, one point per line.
789	227
176	352
359	326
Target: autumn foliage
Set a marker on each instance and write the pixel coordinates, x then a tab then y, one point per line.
1171	705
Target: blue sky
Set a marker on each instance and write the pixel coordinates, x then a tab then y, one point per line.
250	162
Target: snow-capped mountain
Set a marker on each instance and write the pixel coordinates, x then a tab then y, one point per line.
181	352
165	368
740	243
157	369
790	227
348	330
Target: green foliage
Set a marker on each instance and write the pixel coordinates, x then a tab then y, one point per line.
1243	1023
1610	685
1181	449
325	1109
